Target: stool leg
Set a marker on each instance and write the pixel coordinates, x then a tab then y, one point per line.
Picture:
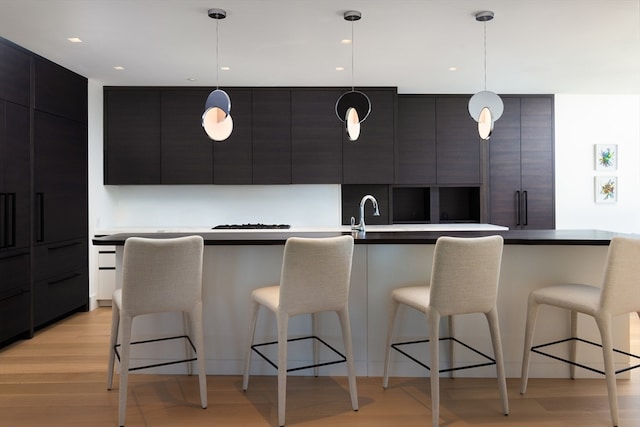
345	324
572	344
393	312
125	348
115	325
532	313
494	328
451	344
253	318
198	335
433	318
316	346
283	333
188	351
604	324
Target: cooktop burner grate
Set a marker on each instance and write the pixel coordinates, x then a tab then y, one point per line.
257	226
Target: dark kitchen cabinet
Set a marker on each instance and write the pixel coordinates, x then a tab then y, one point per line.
521	166
15	295
15	74
369	160
271	136
15	161
316	137
132	136
416	140
58	91
457	143
186	153
233	157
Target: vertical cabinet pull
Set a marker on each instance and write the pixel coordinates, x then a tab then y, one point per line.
518	207
526	207
3	220
39	217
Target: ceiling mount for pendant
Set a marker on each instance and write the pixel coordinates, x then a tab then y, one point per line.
352	15
484	16
217	13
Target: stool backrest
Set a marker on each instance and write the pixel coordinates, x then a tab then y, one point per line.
465	274
316	274
161	274
621	282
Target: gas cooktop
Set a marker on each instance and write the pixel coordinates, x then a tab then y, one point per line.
252	227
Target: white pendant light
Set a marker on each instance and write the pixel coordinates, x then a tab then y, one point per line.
485	107
216	119
353	107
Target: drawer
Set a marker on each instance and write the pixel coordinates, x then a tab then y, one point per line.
106	282
55	259
59	295
14	317
14	272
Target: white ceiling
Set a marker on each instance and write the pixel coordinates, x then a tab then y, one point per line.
533	46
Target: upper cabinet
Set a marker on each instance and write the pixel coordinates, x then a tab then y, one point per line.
59	91
521	165
15	74
416	140
369	160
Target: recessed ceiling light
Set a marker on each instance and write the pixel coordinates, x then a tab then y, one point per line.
339	68
74	40
225	68
345	41
192	79
118	67
453	69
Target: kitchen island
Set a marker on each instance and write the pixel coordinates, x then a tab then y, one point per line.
384	258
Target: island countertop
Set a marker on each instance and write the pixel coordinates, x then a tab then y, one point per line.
375	235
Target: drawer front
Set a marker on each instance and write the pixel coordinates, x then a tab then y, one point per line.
14	273
14	317
106	282
59	295
55	259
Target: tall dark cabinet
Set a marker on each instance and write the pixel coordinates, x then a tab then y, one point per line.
521	166
43	192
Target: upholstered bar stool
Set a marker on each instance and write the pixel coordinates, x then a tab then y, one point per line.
158	275
464	279
315	278
619	294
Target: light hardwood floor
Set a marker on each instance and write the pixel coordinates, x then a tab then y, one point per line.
58	379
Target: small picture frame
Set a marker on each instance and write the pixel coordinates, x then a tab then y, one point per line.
606	157
606	189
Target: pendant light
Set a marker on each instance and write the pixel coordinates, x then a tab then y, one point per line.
216	119
485	107
353	107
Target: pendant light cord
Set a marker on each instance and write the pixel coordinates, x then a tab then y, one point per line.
485	55
352	67
217	56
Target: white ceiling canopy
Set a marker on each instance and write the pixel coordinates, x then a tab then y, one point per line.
541	46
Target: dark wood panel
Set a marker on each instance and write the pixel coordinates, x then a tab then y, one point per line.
59	91
504	166
316	137
416	140
60	295
233	158
271	136
15	75
186	153
132	136
537	161
14	270
60	164
458	143
370	159
15	317
351	197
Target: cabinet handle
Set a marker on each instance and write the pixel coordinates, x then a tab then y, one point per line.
518	207
63	246
526	207
3	220
64	279
39	217
10	218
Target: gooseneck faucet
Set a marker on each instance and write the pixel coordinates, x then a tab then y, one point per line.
361	226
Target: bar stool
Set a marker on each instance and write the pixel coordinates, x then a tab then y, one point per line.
619	294
315	277
464	279
158	275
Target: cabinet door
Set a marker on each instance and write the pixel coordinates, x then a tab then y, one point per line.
15	164
537	163
316	137
504	167
132	136
458	143
15	75
369	160
186	152
416	140
60	167
59	91
233	158
15	297
272	136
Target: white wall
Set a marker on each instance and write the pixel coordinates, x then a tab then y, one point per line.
581	122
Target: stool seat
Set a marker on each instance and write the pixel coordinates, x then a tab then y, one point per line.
414	296
573	296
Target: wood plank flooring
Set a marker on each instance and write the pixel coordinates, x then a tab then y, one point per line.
58	378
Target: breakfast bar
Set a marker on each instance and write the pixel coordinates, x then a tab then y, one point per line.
385	257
